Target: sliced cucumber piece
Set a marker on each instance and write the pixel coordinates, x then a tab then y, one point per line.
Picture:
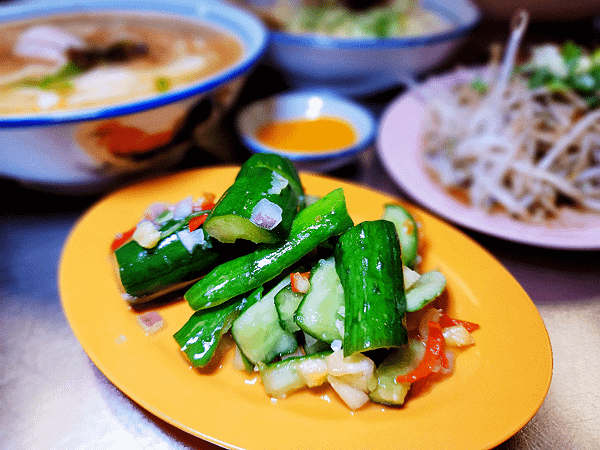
369	265
319	313
408	232
283	377
258	207
286	303
313	225
399	362
148	273
246	364
424	290
200	336
258	333
276	163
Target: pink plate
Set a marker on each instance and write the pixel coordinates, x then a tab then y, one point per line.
399	146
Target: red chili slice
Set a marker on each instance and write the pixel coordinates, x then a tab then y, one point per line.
121	238
196	222
299	281
447	321
433	358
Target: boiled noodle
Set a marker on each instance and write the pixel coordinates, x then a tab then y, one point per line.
528	152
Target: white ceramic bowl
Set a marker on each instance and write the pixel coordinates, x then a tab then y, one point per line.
360	67
297	105
46	150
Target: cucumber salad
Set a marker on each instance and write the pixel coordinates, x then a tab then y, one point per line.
308	296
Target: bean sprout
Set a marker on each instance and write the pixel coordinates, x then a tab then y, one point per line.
522	150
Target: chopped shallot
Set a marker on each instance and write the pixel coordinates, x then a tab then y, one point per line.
430	315
266	214
183	208
155	209
190	239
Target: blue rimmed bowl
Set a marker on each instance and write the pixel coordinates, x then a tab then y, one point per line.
308	105
56	150
365	66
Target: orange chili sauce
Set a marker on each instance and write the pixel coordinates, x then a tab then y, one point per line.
308	135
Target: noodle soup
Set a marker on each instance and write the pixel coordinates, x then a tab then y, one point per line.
84	60
95	92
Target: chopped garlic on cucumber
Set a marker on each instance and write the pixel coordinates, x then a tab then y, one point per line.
146	234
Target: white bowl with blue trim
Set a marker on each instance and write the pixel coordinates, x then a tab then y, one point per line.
41	149
308	105
365	66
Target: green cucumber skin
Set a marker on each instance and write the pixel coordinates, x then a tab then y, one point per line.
369	264
201	334
294	360
239	201
277	163
148	271
313	225
407	235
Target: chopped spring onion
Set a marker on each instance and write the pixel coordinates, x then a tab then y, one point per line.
163	84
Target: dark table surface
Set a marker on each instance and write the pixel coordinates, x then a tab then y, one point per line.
53	397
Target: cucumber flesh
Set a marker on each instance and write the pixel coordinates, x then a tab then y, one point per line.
399	362
407	230
247	365
319	313
258	332
427	288
410	277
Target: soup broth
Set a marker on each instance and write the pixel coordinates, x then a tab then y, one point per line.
76	61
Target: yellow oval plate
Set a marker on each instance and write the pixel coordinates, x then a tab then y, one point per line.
497	387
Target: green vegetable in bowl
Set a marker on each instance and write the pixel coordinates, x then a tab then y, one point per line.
398	18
